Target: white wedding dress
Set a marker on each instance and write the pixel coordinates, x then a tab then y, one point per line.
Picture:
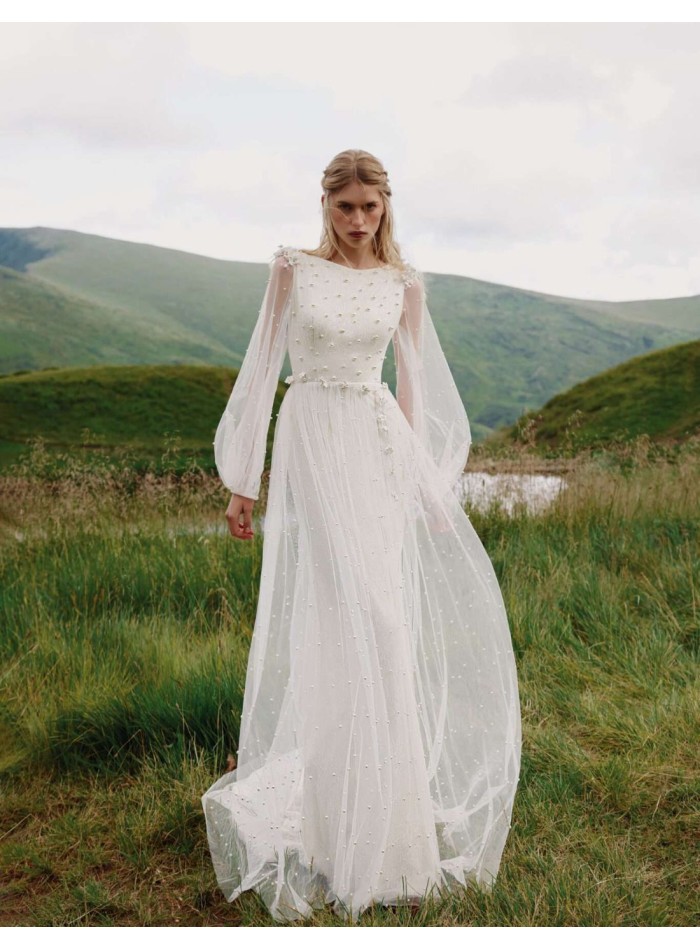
380	739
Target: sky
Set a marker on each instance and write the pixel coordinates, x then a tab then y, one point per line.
557	157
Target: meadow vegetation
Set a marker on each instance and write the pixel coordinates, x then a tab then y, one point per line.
126	612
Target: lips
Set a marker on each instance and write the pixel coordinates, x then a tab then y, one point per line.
357	233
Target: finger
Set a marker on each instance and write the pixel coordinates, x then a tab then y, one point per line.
234	526
239	526
241	530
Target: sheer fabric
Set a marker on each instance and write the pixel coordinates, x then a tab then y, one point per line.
241	435
425	388
379	749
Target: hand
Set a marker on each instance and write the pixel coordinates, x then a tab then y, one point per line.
436	512
239	516
436	520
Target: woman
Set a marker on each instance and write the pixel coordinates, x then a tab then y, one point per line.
379	749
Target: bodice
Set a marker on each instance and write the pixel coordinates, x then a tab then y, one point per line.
341	320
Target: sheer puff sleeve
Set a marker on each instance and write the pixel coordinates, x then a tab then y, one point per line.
241	435
425	388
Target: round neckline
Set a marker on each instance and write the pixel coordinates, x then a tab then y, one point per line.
367	270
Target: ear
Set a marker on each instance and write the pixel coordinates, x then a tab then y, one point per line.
323	199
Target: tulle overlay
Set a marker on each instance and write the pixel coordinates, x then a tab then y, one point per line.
380	737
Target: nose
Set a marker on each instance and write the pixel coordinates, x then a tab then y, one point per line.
357	218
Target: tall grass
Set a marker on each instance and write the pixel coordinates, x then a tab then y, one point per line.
125	625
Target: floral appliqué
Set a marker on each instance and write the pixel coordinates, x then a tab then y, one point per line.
409	275
289	253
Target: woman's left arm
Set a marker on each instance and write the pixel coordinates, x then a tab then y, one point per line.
425	387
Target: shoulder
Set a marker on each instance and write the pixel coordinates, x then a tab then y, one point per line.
285	257
410	275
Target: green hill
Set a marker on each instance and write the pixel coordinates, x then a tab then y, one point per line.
134	407
42	325
656	395
73	299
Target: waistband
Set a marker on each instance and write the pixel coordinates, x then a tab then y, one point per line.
363	385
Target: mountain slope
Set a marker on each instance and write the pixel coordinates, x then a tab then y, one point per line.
657	395
83	300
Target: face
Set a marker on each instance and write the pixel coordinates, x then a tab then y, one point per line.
356	212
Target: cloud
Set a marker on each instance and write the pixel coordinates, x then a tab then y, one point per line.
560	157
537	78
100	84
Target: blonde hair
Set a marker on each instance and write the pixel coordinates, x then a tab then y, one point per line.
356	165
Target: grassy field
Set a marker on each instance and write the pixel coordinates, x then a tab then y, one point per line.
132	411
125	623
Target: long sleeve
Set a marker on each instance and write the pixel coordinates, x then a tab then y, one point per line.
241	435
425	388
